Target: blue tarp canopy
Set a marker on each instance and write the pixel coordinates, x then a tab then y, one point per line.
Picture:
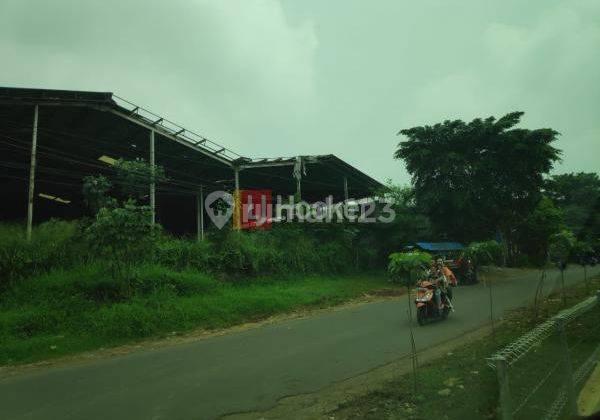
440	246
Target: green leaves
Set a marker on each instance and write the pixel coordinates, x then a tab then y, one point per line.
131	180
96	190
474	178
407	267
133	177
578	196
482	253
561	245
122	235
535	231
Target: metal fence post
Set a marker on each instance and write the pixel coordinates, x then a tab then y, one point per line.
567	367
505	398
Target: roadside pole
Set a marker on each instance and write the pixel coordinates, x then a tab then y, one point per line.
562	281
413	346
492	310
567	367
505	398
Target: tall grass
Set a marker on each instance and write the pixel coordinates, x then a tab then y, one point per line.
57	297
65	311
54	244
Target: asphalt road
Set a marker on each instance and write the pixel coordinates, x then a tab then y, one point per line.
250	370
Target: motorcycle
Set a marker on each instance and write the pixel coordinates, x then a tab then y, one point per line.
427	309
466	271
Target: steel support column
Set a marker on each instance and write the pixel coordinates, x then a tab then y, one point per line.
32	172
237	209
152	180
299	189
200	213
346	190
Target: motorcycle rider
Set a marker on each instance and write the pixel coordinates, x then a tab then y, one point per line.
441	277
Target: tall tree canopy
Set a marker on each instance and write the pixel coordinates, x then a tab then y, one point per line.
533	235
578	195
478	178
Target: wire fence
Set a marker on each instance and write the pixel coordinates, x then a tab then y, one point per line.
541	374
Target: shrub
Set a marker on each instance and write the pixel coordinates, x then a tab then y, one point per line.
248	253
299	250
336	257
54	244
406	267
122	236
483	253
180	254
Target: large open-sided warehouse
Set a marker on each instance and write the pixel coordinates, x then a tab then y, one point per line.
76	132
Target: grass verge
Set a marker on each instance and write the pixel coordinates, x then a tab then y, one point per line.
70	311
462	385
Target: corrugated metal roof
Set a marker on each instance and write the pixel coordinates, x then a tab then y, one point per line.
440	246
89	125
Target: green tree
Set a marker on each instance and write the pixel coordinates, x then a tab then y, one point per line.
96	193
578	195
483	253
533	235
133	177
122	231
581	252
561	246
122	236
408	226
479	178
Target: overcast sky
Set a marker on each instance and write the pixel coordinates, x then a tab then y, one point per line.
290	77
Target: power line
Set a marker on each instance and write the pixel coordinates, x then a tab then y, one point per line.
95	166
